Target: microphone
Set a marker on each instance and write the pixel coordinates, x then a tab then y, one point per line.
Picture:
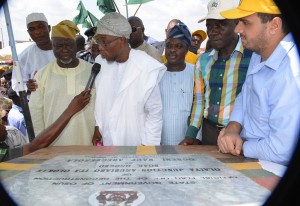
95	70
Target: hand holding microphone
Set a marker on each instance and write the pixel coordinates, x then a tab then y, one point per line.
95	70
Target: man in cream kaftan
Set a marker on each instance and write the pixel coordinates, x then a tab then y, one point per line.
56	88
58	83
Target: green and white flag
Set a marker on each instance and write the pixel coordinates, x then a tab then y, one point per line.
106	6
86	18
92	18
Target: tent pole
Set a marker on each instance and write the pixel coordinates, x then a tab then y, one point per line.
16	67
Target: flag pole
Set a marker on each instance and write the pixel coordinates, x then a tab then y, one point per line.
126	8
90	20
137	9
116	6
16	67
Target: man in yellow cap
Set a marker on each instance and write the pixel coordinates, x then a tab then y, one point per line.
198	37
58	83
265	120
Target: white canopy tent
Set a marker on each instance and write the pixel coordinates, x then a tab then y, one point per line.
5	53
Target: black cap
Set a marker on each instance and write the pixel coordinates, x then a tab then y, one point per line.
91	31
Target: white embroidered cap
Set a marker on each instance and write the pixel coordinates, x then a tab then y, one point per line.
114	24
35	17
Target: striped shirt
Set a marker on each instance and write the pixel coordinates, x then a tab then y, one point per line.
217	83
177	97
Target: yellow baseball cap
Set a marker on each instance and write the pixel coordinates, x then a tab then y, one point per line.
249	7
201	33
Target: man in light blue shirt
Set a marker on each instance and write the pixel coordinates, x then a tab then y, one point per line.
265	121
15	115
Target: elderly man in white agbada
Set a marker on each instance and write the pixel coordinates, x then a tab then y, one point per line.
128	107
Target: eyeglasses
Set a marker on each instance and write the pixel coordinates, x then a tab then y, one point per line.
134	28
103	43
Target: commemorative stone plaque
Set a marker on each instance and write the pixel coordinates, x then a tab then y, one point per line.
123	180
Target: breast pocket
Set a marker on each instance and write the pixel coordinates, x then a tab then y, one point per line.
256	108
186	101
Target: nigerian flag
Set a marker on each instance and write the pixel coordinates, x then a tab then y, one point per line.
92	18
106	6
86	18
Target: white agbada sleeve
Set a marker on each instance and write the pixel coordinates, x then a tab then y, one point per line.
153	123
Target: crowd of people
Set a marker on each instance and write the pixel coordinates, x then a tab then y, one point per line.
241	94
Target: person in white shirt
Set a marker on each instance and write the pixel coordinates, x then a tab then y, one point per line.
128	107
38	54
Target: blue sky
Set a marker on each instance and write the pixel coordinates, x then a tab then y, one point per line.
155	14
